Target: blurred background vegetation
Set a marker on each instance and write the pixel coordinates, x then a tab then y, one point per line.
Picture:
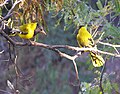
44	71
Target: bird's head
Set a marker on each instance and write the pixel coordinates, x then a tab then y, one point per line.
81	28
39	29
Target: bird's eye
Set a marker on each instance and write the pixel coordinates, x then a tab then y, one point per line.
41	29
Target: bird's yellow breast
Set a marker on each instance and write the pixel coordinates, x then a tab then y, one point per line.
84	37
28	30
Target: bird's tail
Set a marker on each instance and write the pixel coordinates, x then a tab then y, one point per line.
97	60
8	30
12	32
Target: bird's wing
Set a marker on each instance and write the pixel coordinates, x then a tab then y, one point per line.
91	43
97	60
24	29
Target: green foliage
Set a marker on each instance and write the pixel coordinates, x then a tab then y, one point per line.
76	13
117	5
89	89
113	31
99	4
93	88
61	23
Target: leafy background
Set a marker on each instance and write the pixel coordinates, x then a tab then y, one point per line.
44	71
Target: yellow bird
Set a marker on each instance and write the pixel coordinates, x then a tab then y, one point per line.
84	39
28	31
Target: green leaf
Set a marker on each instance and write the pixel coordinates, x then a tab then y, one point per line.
115	86
117	5
99	5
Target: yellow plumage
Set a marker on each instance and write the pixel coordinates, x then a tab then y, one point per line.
97	60
27	30
84	39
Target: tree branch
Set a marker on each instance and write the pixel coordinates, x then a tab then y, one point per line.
10	11
1	51
54	47
101	79
108	44
5	2
14	5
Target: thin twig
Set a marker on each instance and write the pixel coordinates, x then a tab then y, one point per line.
96	41
111	45
5	2
76	70
101	76
1	51
6	17
10	12
16	70
13	6
116	50
95	32
108	44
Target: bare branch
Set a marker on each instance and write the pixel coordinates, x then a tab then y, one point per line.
72	48
96	41
108	44
76	69
14	5
116	50
7	16
54	47
112	45
10	11
101	79
10	40
1	51
5	2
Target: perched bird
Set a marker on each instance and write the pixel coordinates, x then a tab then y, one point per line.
26	31
84	39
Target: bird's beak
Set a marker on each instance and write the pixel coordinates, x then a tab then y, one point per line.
41	30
